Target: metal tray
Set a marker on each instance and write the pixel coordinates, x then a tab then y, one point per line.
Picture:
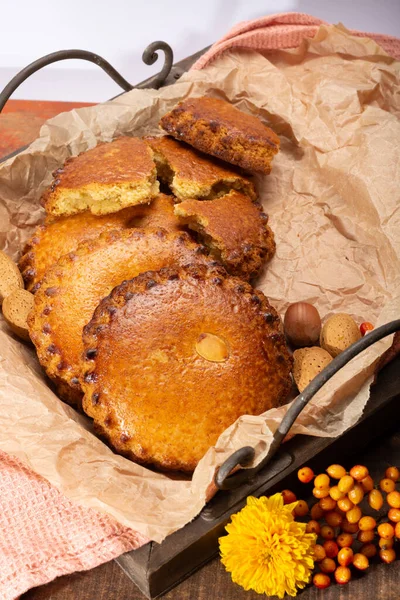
156	568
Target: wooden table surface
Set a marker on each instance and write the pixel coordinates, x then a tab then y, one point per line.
19	125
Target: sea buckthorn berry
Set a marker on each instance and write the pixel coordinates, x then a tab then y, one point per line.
327	532
322	481
360	561
365	327
354	514
386	544
336	471
320	492
305	474
387	485
397	531
344	540
342	575
349	527
345	556
367	523
345	483
345	504
386	531
359	472
369	550
319	552
366	536
301	508
388	555
392	473
333	518
327	565
331	548
367	483
313	527
375	499
327	503
336	494
316	512
394	515
321	581
356	494
393	499
288	496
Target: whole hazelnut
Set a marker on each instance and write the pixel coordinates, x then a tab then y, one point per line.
302	324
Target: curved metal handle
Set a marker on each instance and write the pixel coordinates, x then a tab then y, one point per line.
245	455
149	58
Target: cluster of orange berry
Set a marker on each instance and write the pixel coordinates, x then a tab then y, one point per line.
339	522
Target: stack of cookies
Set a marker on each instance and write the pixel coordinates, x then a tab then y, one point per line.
144	314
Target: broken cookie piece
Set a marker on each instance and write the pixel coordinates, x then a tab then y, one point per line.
158	213
105	179
218	128
191	174
234	228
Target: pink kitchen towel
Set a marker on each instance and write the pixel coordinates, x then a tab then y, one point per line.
43	534
285	30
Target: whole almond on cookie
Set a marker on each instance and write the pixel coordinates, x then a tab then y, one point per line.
308	362
16	307
10	277
338	333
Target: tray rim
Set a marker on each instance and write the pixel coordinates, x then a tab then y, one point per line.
146	557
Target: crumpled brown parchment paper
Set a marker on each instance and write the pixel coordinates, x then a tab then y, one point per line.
333	200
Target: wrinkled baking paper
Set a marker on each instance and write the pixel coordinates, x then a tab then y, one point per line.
333	201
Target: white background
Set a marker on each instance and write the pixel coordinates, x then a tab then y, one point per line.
119	30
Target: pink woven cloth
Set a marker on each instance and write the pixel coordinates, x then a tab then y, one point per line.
285	30
42	534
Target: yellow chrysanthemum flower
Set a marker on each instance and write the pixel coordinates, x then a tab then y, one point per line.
266	550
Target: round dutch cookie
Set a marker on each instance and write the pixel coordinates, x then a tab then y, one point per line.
73	287
172	358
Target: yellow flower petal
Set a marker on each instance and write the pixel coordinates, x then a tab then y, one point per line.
266	550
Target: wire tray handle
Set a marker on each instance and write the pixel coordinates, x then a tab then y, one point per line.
244	456
149	57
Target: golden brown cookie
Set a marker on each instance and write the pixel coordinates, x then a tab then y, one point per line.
57	237
105	179
191	174
159	213
234	228
74	286
176	356
218	128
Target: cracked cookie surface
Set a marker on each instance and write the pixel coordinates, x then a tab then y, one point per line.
234	228
191	174
109	177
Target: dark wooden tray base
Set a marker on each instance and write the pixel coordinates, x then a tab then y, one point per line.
156	568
